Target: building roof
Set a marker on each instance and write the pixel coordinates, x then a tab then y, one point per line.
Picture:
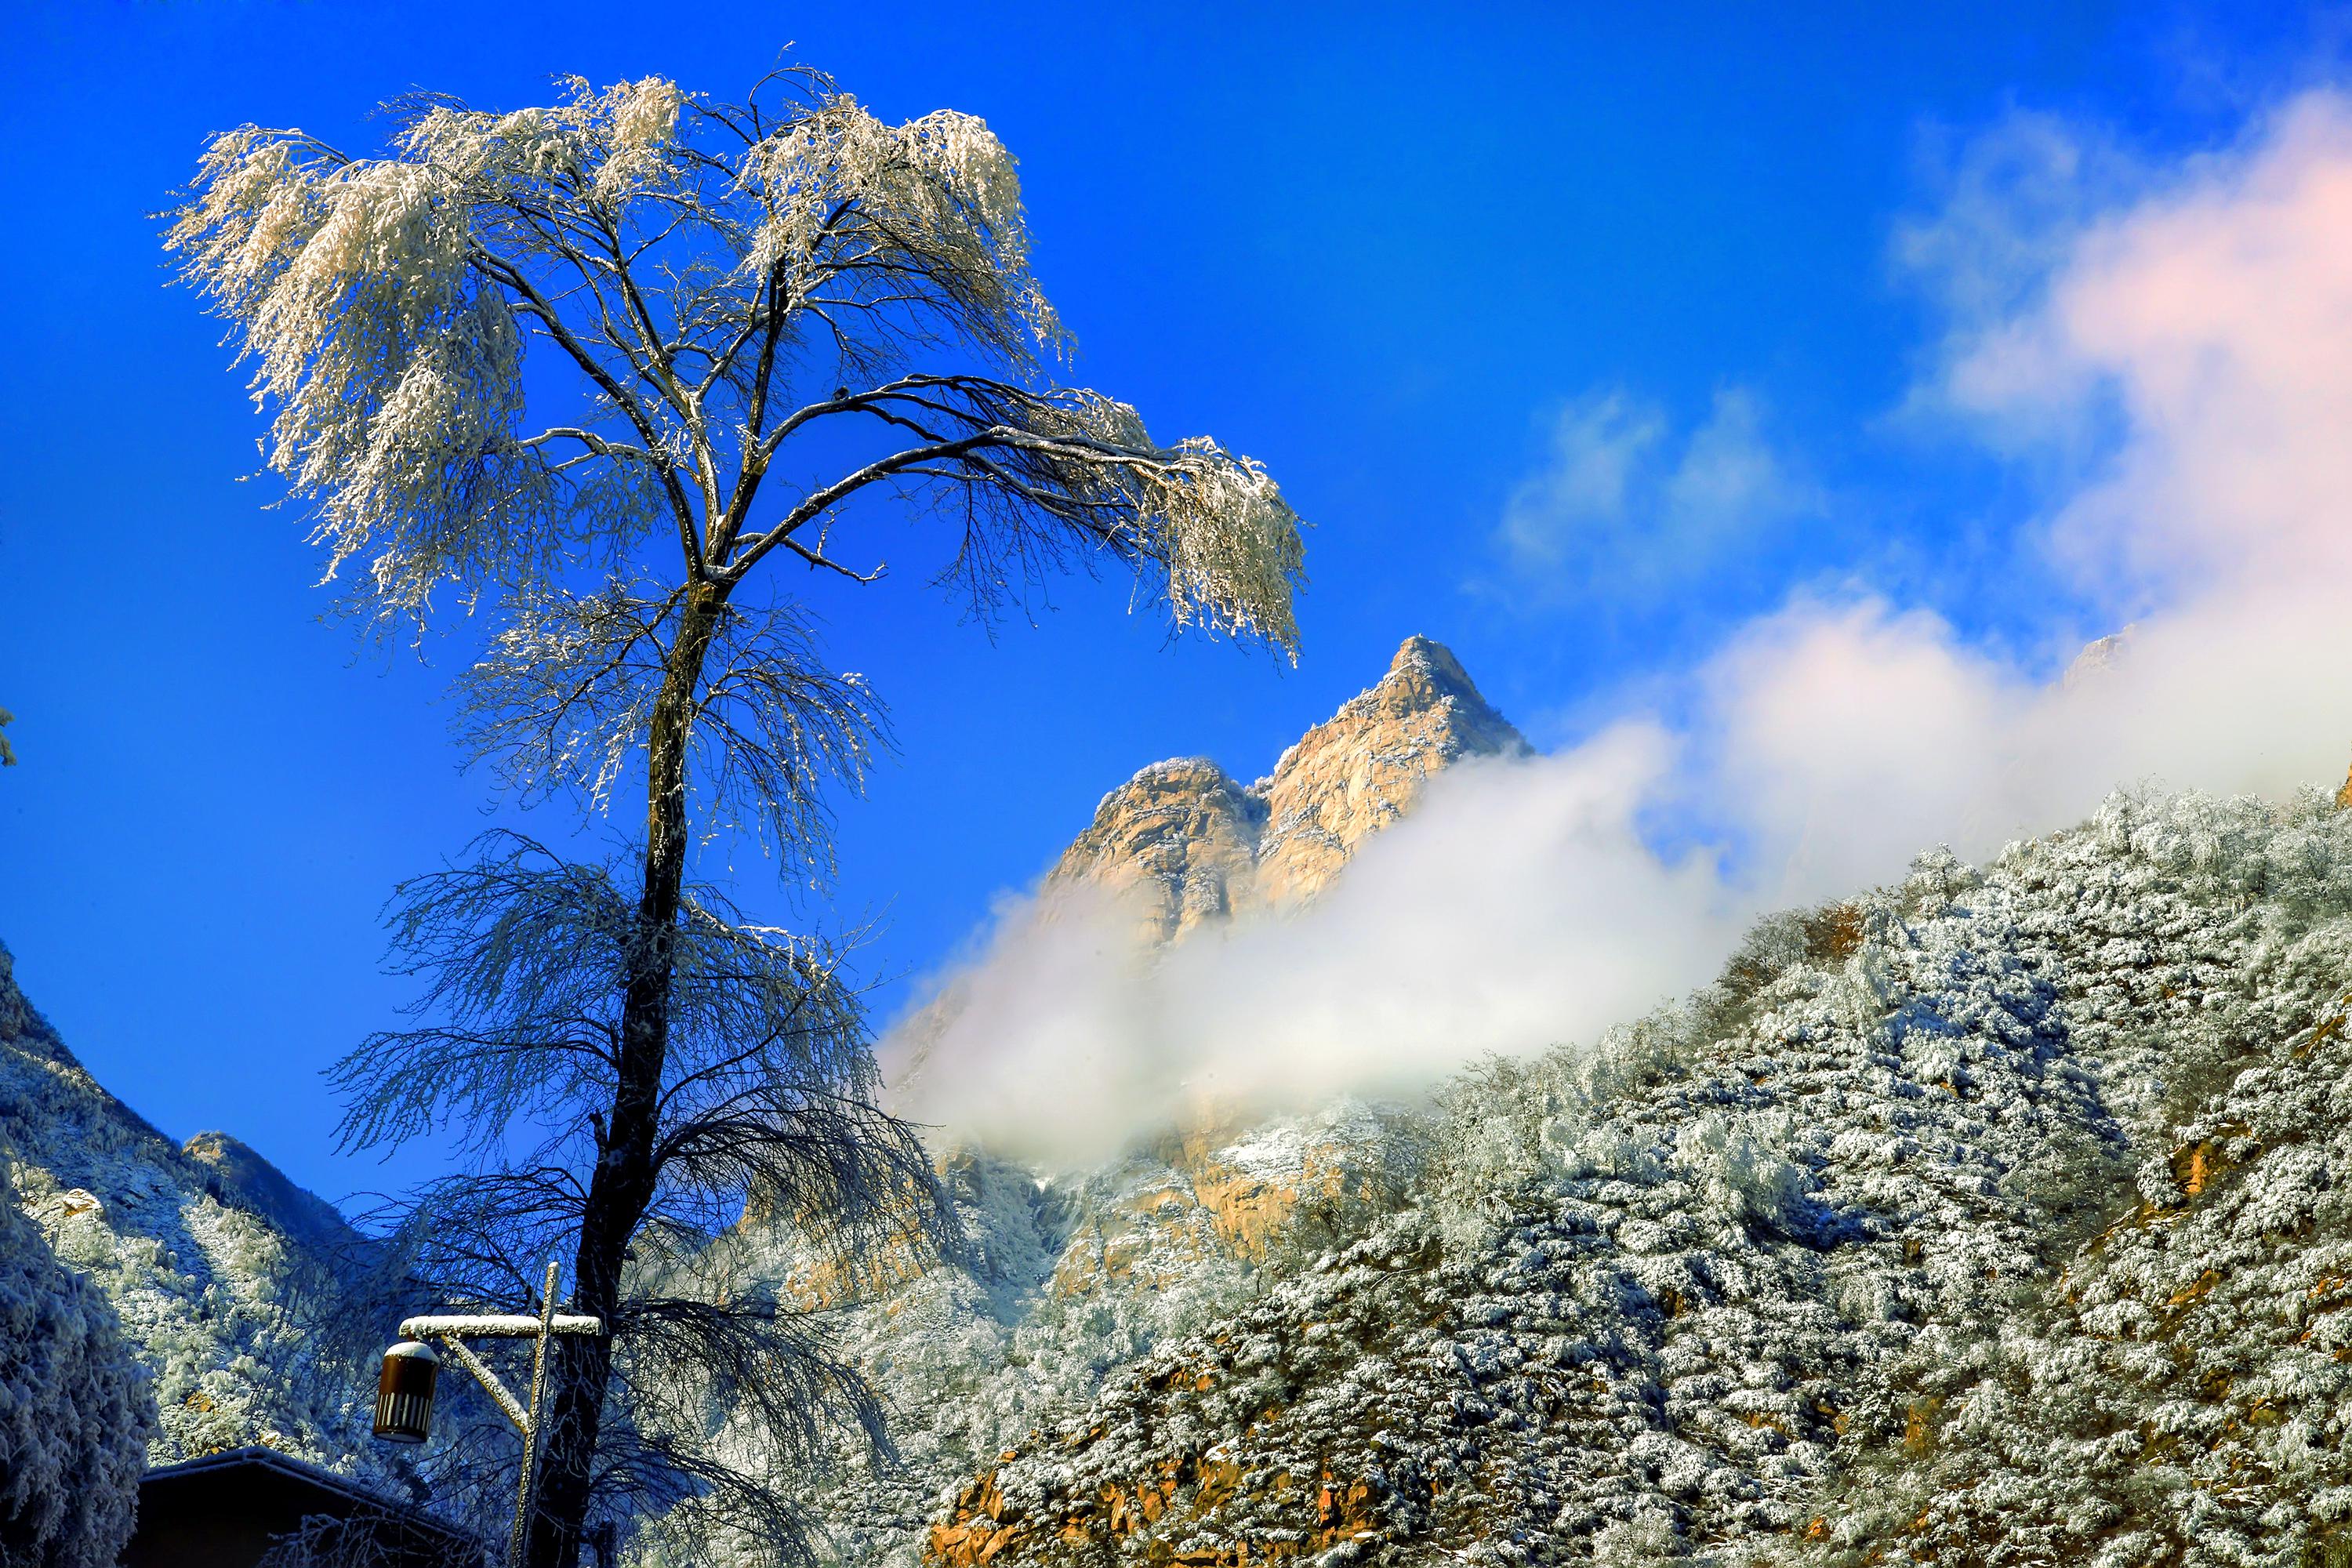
223	1509
268	1458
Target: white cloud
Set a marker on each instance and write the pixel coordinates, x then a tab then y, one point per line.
2010	202
2203	319
2213	319
1453	934
1622	506
1597	444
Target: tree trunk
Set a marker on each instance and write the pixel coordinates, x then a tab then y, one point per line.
622	1185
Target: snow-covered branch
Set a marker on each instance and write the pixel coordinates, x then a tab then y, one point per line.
388	302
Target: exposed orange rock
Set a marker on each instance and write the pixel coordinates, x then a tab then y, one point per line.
1203	1194
1191	845
1179	838
1195	1488
1919	1421
2199	1165
2194	1290
1366	766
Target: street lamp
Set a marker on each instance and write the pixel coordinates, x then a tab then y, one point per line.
404	1393
403	1399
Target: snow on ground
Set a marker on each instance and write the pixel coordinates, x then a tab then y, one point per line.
1992	1217
1983	1218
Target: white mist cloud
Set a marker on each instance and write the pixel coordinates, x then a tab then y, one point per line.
2215	321
2204	320
1516	906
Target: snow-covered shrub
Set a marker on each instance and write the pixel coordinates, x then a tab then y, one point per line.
2172	1384
75	1409
1738	1179
241	1326
1488	1143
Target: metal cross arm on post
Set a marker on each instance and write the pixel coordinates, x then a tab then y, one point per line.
404	1411
512	1326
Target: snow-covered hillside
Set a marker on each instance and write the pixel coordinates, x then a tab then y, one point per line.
1989	1217
1980	1218
213	1290
1992	1216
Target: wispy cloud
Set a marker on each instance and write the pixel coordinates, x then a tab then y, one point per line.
1625	504
2007	205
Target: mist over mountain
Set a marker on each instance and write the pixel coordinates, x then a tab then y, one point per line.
2138	344
1935	1227
1984	1215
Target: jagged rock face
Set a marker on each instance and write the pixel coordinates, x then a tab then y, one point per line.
1232	1194
1192	844
1181	838
1071	1280
1815	1267
1365	766
2098	659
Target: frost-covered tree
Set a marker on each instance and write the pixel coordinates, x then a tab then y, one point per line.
748	325
75	1411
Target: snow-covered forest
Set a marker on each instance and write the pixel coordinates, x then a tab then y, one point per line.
1988	1217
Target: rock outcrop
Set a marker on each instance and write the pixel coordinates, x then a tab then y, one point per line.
1196	846
1366	766
2098	659
1181	836
244	1179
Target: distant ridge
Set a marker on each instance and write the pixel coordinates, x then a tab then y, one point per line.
207	1253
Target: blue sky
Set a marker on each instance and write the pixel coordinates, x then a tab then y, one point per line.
1425	265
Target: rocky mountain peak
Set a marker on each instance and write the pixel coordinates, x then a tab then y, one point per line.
2099	658
1182	835
1366	766
1197	846
1424	675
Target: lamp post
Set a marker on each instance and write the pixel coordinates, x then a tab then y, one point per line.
403	1400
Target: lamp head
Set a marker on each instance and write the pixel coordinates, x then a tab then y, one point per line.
404	1393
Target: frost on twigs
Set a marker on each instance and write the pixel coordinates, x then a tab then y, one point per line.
747	323
562	697
394	374
765	1094
1211	525
719	279
938	196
